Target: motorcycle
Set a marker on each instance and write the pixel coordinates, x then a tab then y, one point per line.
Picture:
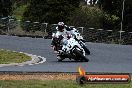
57	45
71	49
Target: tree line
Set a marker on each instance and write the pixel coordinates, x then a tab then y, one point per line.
52	11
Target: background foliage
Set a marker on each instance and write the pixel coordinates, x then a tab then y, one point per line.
105	14
87	17
50	11
5	8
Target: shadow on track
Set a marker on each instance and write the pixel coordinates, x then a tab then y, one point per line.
68	61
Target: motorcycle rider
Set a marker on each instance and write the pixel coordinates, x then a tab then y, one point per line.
62	31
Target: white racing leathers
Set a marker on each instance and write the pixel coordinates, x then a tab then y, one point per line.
65	33
57	39
58	33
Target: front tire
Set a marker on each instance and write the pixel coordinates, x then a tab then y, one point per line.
82	57
60	59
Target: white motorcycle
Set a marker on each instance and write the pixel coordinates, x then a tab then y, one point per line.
71	49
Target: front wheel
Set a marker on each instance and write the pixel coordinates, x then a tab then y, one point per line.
60	59
82	57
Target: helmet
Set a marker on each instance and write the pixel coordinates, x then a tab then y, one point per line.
61	26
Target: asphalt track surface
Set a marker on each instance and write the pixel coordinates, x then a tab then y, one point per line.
111	58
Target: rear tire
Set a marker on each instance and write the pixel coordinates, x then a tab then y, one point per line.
86	50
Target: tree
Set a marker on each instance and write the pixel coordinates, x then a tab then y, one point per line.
128	16
112	11
74	2
50	11
114	7
106	5
87	17
5	8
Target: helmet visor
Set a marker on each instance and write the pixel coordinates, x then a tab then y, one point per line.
60	27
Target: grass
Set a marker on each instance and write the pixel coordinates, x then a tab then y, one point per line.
56	84
7	57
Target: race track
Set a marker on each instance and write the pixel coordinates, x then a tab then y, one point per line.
104	57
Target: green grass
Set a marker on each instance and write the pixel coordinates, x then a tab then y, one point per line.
18	12
7	57
56	84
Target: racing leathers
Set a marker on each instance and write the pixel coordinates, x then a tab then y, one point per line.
59	35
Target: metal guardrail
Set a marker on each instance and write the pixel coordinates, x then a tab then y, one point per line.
90	34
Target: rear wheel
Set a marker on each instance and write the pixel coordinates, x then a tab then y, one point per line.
86	50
